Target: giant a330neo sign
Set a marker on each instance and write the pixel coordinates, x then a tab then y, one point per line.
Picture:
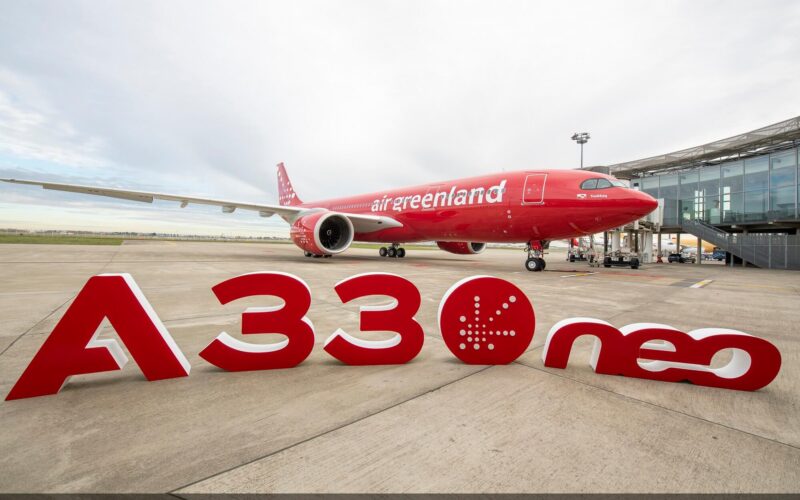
483	320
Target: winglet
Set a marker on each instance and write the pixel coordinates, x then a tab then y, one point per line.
286	194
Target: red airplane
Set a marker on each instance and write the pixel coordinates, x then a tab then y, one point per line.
461	216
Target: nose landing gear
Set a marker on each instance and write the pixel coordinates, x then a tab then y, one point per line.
535	262
395	250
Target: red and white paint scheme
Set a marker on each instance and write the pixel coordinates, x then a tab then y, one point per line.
482	319
461	215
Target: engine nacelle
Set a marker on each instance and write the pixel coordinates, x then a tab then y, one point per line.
461	247
322	233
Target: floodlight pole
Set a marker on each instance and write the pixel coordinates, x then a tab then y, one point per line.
581	138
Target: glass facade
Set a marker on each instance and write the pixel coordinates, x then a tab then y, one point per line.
708	194
731	187
782	185
758	189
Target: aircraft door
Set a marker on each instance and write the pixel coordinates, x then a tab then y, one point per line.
533	191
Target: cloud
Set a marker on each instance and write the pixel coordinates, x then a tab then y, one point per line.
30	129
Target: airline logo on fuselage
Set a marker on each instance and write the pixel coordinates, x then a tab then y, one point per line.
444	198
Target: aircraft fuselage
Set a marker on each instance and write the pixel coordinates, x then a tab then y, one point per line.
507	207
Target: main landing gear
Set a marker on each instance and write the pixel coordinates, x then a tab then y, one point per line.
394	251
535	262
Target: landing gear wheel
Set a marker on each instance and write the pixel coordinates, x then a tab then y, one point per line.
382	252
327	256
533	264
401	252
392	252
317	256
634	263
607	262
308	254
535	250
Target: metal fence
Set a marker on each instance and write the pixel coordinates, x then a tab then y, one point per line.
772	251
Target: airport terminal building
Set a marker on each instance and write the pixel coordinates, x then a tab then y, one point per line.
739	193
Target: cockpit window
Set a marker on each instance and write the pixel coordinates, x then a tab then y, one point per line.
601	183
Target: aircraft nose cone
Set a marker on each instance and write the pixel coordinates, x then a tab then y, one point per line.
643	203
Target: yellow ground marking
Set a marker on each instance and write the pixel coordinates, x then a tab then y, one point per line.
701	284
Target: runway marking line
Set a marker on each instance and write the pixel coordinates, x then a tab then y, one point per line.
701	284
578	274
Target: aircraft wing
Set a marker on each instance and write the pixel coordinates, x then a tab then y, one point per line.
362	223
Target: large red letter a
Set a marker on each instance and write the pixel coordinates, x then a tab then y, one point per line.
73	347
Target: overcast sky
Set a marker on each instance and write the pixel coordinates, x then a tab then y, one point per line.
206	97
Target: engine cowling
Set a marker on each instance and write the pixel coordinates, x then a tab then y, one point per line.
461	247
322	233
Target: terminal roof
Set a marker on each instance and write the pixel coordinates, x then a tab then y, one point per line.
742	145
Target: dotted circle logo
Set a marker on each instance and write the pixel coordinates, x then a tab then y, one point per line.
486	321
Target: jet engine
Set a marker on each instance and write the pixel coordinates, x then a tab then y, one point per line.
461	247
322	233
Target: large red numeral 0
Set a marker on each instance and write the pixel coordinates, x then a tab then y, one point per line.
289	319
397	317
486	321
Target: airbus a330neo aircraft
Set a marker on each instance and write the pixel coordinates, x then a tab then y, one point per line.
461	216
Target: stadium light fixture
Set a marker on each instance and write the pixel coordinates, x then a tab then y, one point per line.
581	138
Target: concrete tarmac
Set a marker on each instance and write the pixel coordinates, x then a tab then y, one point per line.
433	425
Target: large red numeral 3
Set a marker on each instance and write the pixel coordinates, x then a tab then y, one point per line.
289	319
397	317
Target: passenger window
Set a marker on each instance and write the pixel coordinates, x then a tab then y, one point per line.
603	183
589	184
